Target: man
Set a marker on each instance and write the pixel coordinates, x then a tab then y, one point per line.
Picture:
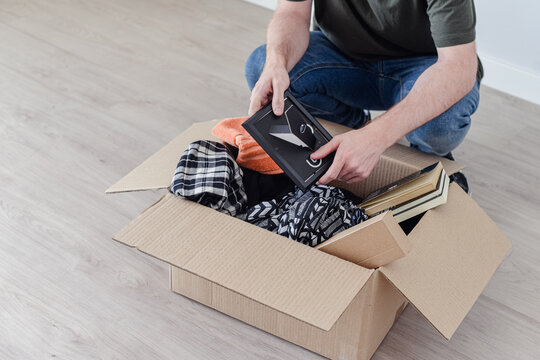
414	58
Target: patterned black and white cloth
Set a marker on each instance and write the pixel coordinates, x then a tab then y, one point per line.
309	217
209	175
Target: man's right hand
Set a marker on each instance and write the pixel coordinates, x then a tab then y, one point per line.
273	82
287	41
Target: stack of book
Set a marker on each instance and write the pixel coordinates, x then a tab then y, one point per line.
411	195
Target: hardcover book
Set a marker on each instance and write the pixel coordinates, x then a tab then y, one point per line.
411	195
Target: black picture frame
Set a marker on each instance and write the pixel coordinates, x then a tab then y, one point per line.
292	159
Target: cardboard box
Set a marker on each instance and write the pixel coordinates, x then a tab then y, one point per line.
339	307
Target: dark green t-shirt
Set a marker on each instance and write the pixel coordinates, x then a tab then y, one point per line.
385	29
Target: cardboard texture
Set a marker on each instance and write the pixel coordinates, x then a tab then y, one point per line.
285	275
373	243
341	299
355	335
456	248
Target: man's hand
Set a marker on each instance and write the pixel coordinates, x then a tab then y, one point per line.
272	84
287	40
357	153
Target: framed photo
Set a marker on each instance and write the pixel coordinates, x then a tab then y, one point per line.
290	139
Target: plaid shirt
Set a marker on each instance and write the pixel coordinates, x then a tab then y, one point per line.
209	175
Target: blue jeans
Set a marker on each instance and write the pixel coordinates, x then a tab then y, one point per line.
336	88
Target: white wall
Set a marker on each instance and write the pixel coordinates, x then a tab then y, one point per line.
269	4
508	40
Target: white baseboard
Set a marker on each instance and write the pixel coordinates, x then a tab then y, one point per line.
498	75
511	80
269	4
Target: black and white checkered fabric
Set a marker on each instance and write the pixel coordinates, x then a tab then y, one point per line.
309	217
209	175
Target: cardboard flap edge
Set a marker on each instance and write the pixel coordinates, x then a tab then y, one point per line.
123	235
241	257
370	244
156	171
456	249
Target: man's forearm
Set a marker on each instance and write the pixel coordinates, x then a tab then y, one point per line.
287	39
436	90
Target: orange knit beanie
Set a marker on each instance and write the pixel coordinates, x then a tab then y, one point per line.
250	154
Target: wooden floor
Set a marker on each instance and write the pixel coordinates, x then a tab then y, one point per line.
89	89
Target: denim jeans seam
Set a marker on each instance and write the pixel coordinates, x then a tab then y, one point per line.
389	77
328	66
340	66
316	108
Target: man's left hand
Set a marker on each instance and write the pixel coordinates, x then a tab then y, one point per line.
357	153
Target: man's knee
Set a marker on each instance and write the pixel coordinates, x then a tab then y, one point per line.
441	135
444	133
255	65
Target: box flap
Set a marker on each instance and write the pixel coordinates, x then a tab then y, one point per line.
456	248
419	160
157	171
290	277
371	244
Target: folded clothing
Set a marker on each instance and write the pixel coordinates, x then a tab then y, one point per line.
250	155
208	174
309	217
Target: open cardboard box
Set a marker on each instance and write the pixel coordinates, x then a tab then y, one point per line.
342	305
